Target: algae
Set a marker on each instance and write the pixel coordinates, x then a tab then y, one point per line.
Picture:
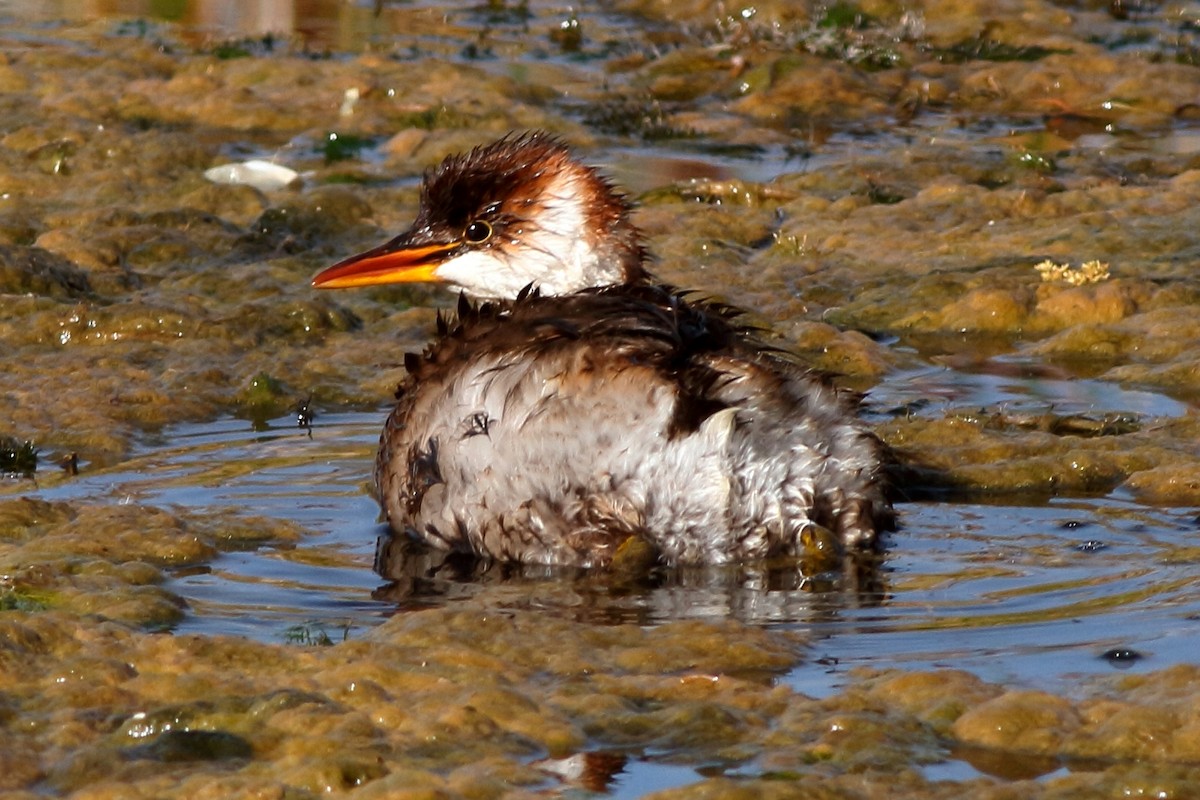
876	181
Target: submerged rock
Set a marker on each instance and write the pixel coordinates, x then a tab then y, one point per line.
32	270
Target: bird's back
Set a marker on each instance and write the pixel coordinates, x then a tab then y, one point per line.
552	429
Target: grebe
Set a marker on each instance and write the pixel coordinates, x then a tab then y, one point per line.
578	404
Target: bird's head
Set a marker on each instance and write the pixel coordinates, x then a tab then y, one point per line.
516	212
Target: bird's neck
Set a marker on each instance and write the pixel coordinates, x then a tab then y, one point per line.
586	225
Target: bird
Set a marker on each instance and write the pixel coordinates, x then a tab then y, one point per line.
573	406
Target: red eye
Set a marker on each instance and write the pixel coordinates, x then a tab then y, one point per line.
478	232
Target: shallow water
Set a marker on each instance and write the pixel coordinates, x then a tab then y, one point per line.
1043	595
315	478
1032	594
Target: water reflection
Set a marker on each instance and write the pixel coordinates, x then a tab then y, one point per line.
271	468
755	593
311	20
1035	593
1029	594
1016	387
306	25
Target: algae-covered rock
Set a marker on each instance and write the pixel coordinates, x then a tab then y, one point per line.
1021	721
32	270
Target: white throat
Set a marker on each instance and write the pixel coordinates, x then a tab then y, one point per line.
553	250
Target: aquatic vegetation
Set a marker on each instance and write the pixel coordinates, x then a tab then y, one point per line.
633	115
264	397
883	195
26	600
842	14
1088	272
246	47
504	12
883	220
35	270
316	634
1036	162
342	146
984	48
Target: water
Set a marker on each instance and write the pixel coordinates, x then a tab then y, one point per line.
1034	594
1028	593
280	471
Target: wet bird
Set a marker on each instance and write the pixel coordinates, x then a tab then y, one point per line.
575	405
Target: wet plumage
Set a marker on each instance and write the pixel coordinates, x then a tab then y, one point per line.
553	424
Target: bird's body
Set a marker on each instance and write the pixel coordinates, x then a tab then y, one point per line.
555	424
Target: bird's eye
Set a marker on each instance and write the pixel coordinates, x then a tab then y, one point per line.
478	232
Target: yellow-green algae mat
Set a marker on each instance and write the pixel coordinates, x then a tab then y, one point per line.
957	148
474	701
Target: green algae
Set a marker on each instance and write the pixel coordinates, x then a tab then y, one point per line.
426	695
976	455
31	270
315	634
108	562
25	600
982	48
137	295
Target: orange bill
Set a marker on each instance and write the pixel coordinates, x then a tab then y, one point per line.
394	262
